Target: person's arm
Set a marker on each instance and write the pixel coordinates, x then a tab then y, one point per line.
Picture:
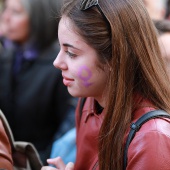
5	150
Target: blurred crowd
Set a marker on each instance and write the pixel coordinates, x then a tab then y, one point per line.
159	11
33	98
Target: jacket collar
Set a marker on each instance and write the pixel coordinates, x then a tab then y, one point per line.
89	109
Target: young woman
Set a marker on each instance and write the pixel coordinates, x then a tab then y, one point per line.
110	55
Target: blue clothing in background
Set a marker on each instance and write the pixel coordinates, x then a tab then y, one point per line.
65	147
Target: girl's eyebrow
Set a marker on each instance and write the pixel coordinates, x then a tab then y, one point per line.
69	45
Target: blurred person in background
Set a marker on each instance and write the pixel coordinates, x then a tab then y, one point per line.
32	95
156	8
163	27
167	13
1	23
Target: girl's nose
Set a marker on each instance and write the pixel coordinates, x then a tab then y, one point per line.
59	62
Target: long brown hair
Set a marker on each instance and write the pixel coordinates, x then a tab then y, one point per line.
130	47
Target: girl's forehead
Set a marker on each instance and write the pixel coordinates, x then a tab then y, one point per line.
67	32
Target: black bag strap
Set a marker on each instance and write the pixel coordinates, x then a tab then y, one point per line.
137	125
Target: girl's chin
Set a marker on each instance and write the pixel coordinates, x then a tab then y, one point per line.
75	94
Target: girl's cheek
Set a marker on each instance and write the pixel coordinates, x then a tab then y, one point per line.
84	74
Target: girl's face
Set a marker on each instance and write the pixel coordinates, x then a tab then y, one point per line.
79	64
16	20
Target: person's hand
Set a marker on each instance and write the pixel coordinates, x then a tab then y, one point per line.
59	165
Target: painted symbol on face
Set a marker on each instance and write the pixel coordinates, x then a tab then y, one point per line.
85	74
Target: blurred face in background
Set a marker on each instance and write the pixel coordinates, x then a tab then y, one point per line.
155	8
164	42
16	19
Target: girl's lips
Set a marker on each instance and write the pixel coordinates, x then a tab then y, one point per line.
67	81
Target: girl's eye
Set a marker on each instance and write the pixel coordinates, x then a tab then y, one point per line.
71	54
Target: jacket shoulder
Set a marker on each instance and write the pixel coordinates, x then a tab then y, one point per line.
151	144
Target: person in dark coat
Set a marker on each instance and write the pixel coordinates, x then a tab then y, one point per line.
32	95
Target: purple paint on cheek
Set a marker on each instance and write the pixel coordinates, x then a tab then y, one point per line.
85	74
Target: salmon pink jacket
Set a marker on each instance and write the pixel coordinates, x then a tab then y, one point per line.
149	150
6	162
